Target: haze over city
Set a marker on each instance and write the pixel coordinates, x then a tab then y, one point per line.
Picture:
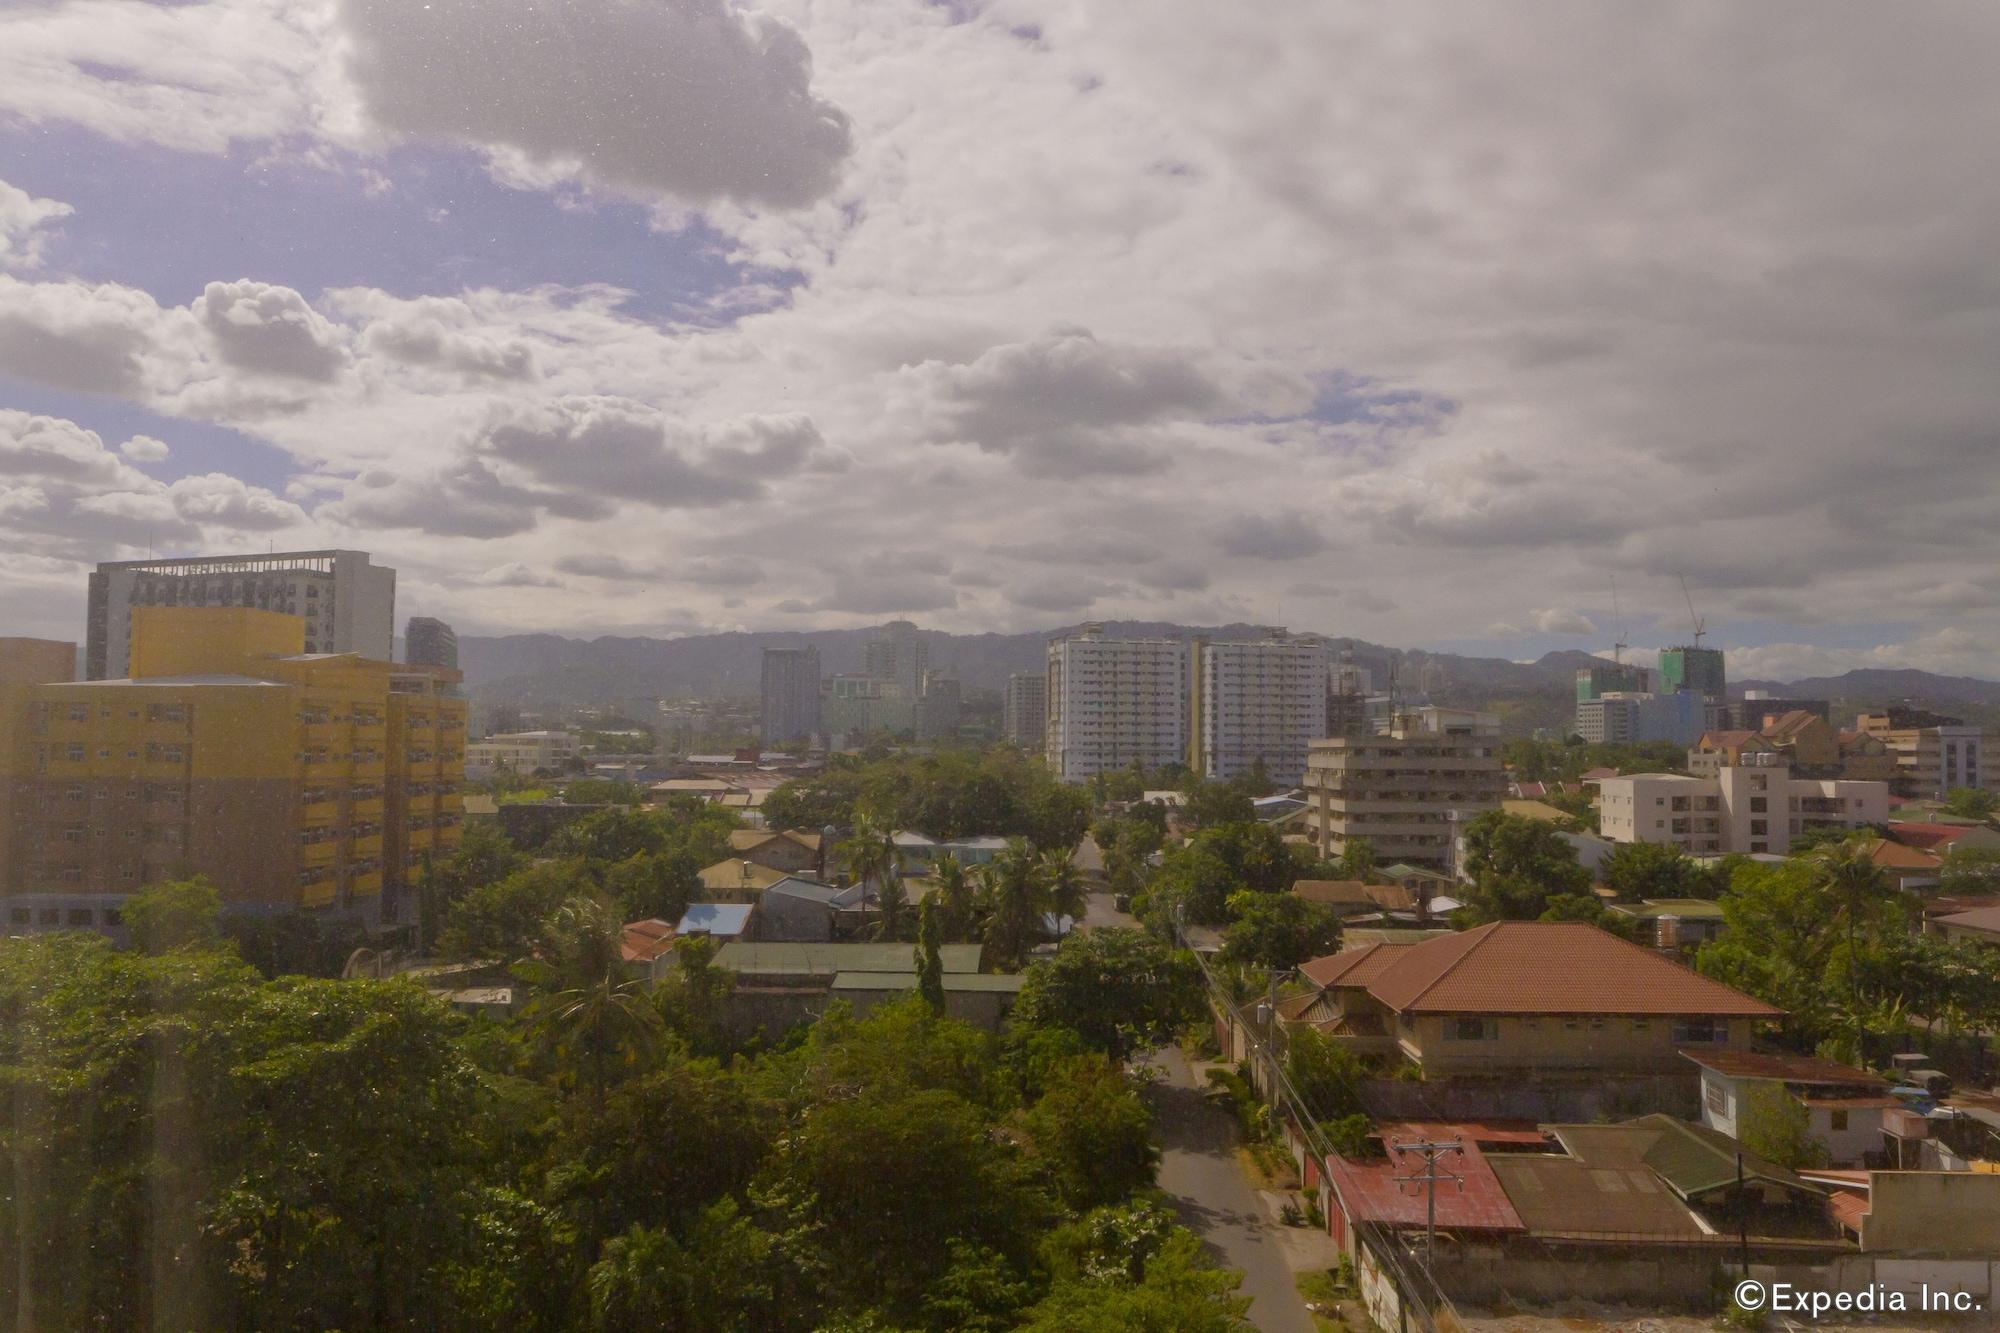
1412	325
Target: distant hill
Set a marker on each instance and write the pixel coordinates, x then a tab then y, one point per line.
548	670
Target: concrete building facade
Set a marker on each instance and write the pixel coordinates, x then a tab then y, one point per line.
346	604
428	641
1620	718
521	752
1404	792
900	654
1024	716
1691	668
1933	752
1114	702
1260	701
790	704
290	779
1744	808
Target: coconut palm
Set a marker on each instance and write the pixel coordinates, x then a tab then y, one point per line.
1859	889
954	895
869	857
590	1008
1063	884
1015	896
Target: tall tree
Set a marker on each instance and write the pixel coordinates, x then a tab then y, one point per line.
870	858
954	894
1119	990
1014	900
1063	884
930	967
1357	859
1517	865
1860	890
590	1011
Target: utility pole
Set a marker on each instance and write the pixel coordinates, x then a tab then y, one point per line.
1432	1150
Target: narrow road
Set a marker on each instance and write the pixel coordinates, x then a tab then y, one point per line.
1198	1167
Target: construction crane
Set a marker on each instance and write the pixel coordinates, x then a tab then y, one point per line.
1617	619
1699	624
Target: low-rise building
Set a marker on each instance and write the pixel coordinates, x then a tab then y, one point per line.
1739	809
1523	998
1843	1106
1934	753
794	851
521	752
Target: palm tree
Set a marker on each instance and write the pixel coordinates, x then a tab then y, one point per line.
591	1006
869	857
954	895
1014	894
1859	888
1063	883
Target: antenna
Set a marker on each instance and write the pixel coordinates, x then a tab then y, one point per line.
1618	619
1699	623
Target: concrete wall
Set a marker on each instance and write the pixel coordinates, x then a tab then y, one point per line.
1612	1044
1935	1212
1578	1100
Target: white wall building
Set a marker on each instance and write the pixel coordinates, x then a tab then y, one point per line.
1263	699
519	752
349	605
1112	702
1749	810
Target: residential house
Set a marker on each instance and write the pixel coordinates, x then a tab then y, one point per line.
1911	869
1979	926
1942	839
1354	897
1844	1106
1530	998
737	881
1679	924
793	851
719	921
1706	1170
919	852
796	909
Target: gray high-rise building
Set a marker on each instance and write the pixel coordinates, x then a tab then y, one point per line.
899	654
791	694
1025	714
430	642
349	605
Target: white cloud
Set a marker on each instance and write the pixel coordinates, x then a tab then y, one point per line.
23	218
1554	620
145	449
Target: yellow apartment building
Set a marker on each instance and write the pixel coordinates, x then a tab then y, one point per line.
293	780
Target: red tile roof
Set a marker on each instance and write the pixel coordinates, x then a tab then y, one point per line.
1785	1068
1369	1191
1928	836
1350	967
643	941
1897	856
1544	967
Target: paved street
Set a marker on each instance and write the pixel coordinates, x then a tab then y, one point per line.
1198	1167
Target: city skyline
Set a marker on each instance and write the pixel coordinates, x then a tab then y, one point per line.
1421	346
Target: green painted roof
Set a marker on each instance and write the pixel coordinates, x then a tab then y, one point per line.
953	981
829	959
1696	1160
1652	907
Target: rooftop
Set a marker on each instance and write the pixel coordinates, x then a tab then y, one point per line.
1785	1068
1982	919
1561	1196
1371	1192
988	982
831	959
715	919
1531	967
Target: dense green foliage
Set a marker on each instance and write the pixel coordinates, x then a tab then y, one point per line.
950	794
189	1145
1518	866
1278	930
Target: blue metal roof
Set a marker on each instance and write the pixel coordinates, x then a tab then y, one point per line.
714	919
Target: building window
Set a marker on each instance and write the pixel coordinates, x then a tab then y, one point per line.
1758	804
1838	1121
1718	1100
81	916
1701	1030
19	916
1475	1029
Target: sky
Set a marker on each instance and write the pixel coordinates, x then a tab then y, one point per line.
1420	323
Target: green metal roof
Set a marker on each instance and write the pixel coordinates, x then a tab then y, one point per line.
829	959
990	982
1695	1160
1686	907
